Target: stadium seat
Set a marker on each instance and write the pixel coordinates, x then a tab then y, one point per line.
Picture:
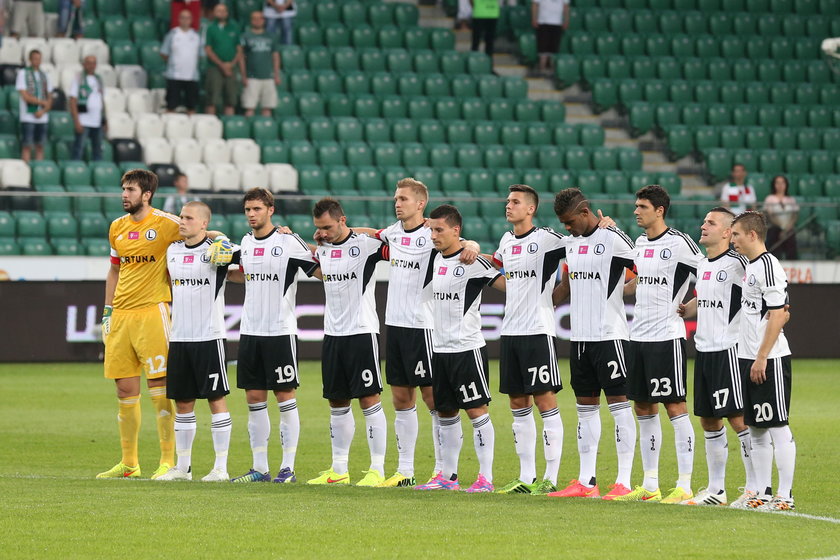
225	177
177	126
523	157
157	150
513	133
215	150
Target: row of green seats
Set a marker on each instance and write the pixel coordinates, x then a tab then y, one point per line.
593	67
683	140
388	37
427	131
98	174
772	162
60	149
56	225
701	46
84	199
696	22
394	82
804	7
368	106
643	115
40	247
371	59
608	93
376	14
302	152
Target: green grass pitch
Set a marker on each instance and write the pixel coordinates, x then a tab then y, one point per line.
58	428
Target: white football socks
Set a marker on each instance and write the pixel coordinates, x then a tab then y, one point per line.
451	440
436	440
762	460
289	432
552	443
717	452
625	440
650	441
185	427
525	442
745	446
220	428
588	437
484	437
342	428
785	458
406	428
259	428
685	442
376	426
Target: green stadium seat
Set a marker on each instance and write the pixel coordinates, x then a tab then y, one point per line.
794	116
486	133
389	37
263	129
441	155
536	178
496	156
505	178
44	173
632	45
523	157
75	173
309	34
309	105
143	29
406	15
629	91
590	181
398	61
644	21
655	91
554	157
61	125
330	153
368	178
526	110
394	107
794	71
353	13
301	152
719	163
116	29
469	155
387	155
595	21
615	182
30	224
593	67
377	130
577	158
32	246
358	154
474	109
302	81
641	118
657	45
312	179
670	182
695	69
67	247
293	129
380	15
321	129
513	133
7	225
607	45
363	37
693	114
356	82
629	159
274	152
820	162
538	134
336	35
105	174
514	88
819	117
319	59
416	39
680	141
408	84
567	70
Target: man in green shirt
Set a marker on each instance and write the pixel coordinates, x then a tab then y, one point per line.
224	53
484	19
260	67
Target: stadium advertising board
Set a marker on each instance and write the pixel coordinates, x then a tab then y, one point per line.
59	321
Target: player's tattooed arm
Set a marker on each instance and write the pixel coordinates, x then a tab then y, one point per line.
605	221
775	321
687	310
562	291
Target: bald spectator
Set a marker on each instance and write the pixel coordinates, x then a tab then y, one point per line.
87	107
181	50
224	51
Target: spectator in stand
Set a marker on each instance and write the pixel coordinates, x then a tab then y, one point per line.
485	16
737	194
260	67
34	87
550	18
281	14
175	202
178	6
782	211
70	15
224	51
28	18
462	18
210	8
87	107
181	50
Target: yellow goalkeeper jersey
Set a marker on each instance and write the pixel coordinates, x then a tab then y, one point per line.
139	248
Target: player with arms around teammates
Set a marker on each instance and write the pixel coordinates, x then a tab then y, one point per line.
350	353
764	361
197	368
461	380
717	379
665	261
528	371
408	315
269	260
597	260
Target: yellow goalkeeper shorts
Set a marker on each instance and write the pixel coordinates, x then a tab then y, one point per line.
138	342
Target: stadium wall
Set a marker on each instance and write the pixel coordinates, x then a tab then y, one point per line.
59	321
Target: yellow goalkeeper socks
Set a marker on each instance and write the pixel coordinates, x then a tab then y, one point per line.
128	421
165	424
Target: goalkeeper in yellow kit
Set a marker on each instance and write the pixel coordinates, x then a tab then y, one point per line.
135	323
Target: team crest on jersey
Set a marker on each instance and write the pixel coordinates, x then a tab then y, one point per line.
188	259
405	241
707	275
421	241
599	249
134	235
516	249
532	248
583	250
150	235
259	252
665	254
205	258
721	276
751	281
354	251
648	253
442	270
276	251
335	254
459	271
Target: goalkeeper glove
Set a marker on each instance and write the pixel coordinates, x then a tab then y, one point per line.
106	322
220	251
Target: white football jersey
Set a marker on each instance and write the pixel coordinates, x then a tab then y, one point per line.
270	265
198	295
409	282
664	267
456	298
348	277
530	264
719	301
764	288
597	264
